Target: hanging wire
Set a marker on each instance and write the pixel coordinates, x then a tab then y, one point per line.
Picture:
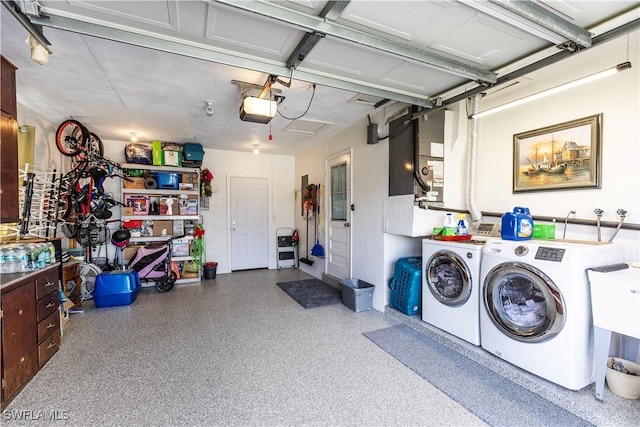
270	113
305	111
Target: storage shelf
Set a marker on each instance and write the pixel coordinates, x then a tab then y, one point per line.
181	258
159	192
160	168
151	284
149	239
178	195
160	217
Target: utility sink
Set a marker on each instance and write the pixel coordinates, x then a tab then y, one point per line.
615	298
615	302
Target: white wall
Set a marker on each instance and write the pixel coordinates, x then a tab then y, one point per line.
47	154
617	97
279	170
370	171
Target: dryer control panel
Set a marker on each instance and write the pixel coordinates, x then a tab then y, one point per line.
486	229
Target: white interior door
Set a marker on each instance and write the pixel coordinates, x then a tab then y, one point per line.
249	225
339	217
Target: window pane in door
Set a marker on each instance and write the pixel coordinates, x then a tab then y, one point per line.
339	192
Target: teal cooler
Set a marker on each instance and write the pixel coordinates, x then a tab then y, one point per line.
192	155
114	288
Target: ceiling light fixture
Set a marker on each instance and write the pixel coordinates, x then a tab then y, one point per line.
257	110
134	137
256	148
554	90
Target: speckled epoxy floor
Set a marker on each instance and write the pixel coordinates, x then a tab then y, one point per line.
239	351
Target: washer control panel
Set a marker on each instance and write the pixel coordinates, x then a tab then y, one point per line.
550	254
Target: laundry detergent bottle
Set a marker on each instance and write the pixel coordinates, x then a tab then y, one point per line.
517	225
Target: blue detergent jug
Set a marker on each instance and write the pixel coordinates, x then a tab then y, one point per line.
517	225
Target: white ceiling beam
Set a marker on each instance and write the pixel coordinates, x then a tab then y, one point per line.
320	25
534	19
165	43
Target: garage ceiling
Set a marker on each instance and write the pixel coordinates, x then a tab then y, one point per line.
148	67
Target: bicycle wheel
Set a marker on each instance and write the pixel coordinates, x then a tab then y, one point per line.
69	229
88	273
166	284
95	146
71	137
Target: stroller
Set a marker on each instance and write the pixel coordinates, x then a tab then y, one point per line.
154	264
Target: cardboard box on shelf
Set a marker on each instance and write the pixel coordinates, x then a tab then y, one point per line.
190	178
172	158
162	227
169	206
180	249
178	227
139	203
130	251
189	205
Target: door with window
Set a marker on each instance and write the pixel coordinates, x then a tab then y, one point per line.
249	225
339	217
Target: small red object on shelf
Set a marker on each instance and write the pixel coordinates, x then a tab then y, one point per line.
453	238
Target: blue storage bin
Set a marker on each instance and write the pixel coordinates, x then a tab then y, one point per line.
406	286
167	180
118	287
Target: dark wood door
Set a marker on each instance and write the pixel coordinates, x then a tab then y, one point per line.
8	93
9	210
19	339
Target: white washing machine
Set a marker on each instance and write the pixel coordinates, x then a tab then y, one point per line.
536	306
451	286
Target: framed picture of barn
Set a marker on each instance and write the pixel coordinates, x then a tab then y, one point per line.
559	157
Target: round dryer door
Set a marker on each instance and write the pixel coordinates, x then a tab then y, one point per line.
448	278
523	302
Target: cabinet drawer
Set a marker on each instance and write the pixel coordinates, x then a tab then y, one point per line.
48	347
47	305
46	284
48	325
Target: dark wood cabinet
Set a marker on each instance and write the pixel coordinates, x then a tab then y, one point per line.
9	210
30	325
19	340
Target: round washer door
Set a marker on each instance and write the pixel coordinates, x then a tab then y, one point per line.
523	302
448	278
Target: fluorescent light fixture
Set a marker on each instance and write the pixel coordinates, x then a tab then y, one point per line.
258	110
554	90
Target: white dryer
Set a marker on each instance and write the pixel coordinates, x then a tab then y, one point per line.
451	286
536	306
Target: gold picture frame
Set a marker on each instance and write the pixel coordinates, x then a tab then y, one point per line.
559	157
